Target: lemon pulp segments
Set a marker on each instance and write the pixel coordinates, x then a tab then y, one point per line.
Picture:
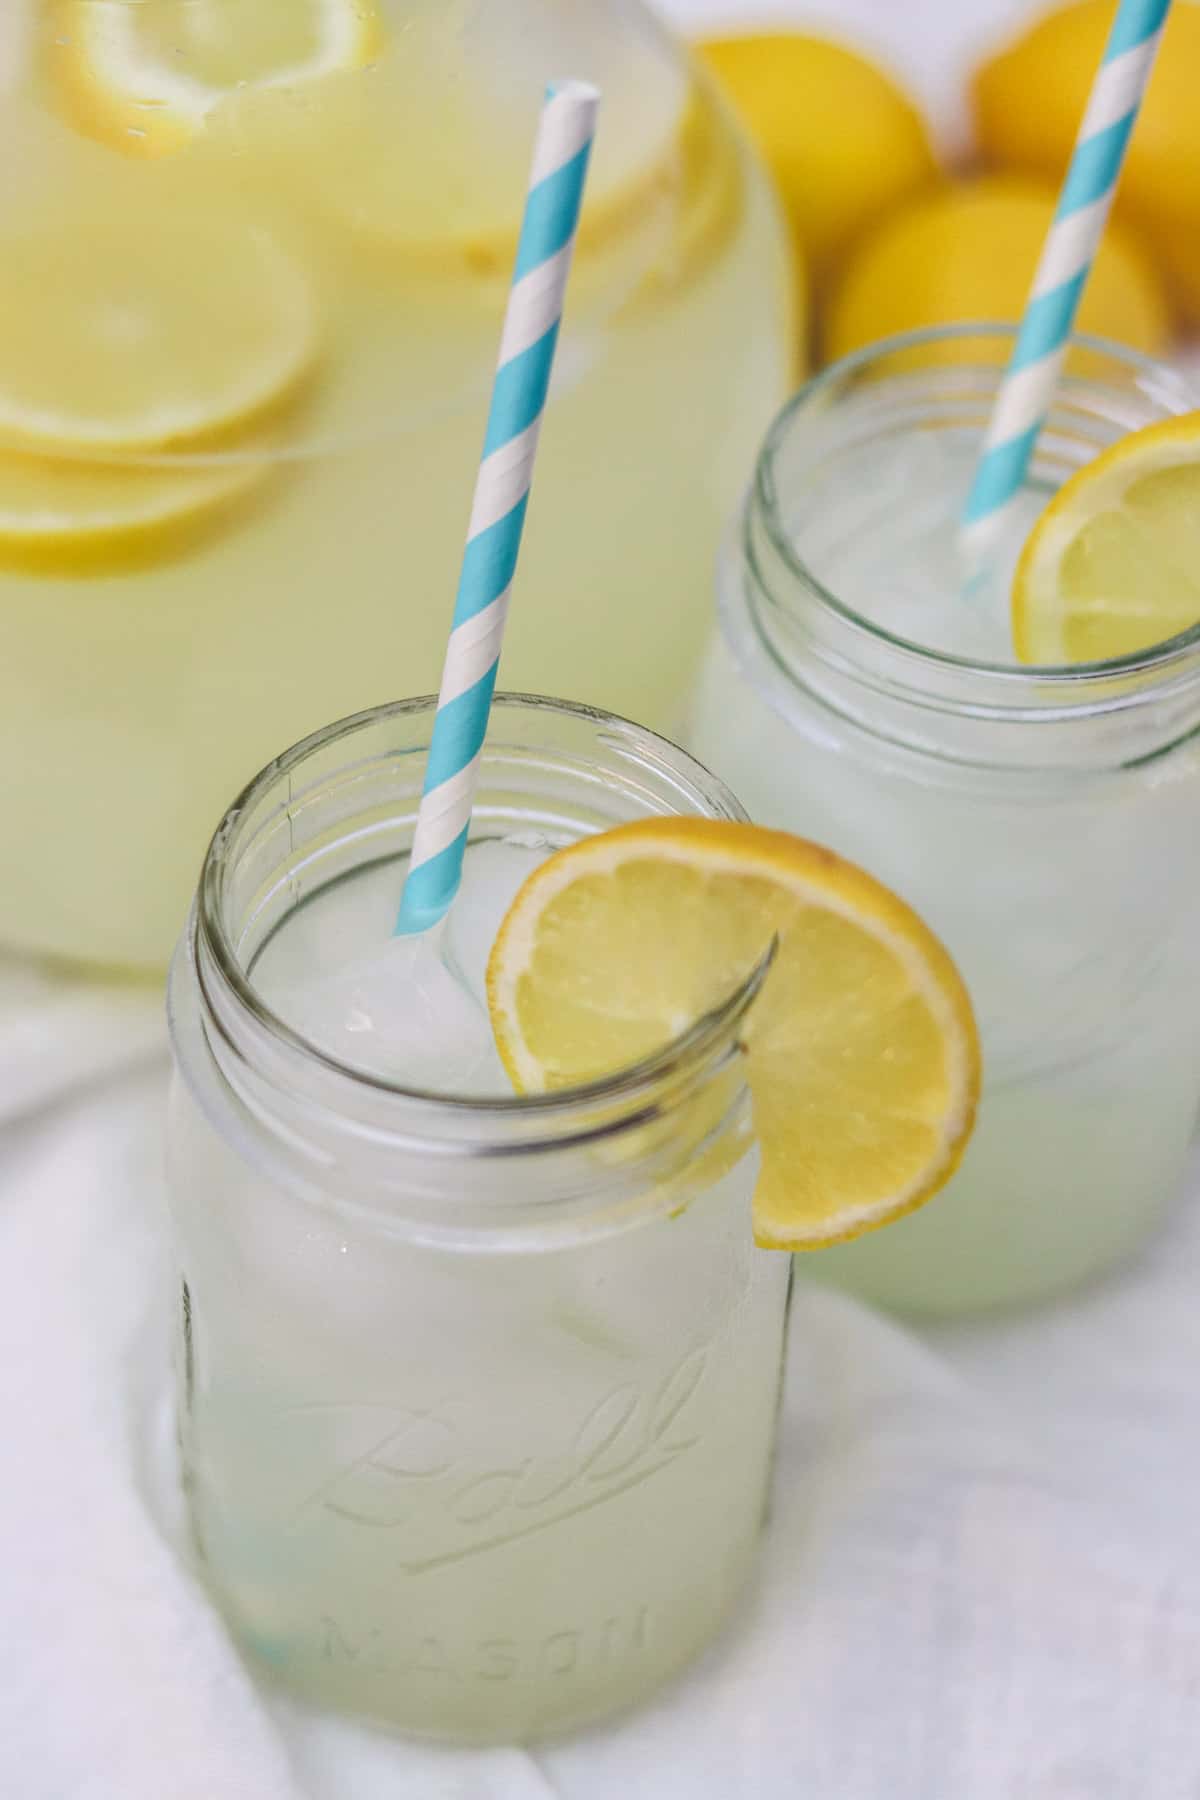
1112	565
123	337
143	330
862	1056
66	510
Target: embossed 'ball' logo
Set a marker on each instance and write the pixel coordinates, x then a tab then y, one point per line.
425	1475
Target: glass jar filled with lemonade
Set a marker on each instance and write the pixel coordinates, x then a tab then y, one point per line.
476	1391
254	269
865	689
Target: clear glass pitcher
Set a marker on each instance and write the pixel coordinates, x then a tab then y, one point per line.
253	274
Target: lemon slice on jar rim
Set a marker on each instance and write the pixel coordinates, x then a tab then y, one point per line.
1112	566
861	1051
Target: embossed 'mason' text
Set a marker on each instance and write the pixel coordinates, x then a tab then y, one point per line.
569	1651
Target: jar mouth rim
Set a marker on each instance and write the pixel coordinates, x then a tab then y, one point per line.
1158	659
625	1094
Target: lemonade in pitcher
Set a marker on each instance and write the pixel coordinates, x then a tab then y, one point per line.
254	269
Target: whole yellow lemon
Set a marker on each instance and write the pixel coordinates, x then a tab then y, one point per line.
1028	101
842	141
969	251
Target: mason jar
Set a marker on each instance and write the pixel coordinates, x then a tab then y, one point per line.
1045	821
476	1397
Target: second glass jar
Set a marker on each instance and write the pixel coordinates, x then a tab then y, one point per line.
1045	821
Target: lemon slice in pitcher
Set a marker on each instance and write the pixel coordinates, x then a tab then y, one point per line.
1112	566
74	516
143	78
144	328
861	1051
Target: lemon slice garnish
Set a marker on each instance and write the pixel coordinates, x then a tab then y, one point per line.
1112	566
73	515
144	78
861	1051
145	327
356	152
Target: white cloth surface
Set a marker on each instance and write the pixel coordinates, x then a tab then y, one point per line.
980	1581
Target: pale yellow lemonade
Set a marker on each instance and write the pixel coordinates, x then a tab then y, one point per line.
254	270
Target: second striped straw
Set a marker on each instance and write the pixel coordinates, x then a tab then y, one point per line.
1027	392
530	335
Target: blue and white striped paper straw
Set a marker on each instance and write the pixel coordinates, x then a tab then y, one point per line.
1027	392
556	183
